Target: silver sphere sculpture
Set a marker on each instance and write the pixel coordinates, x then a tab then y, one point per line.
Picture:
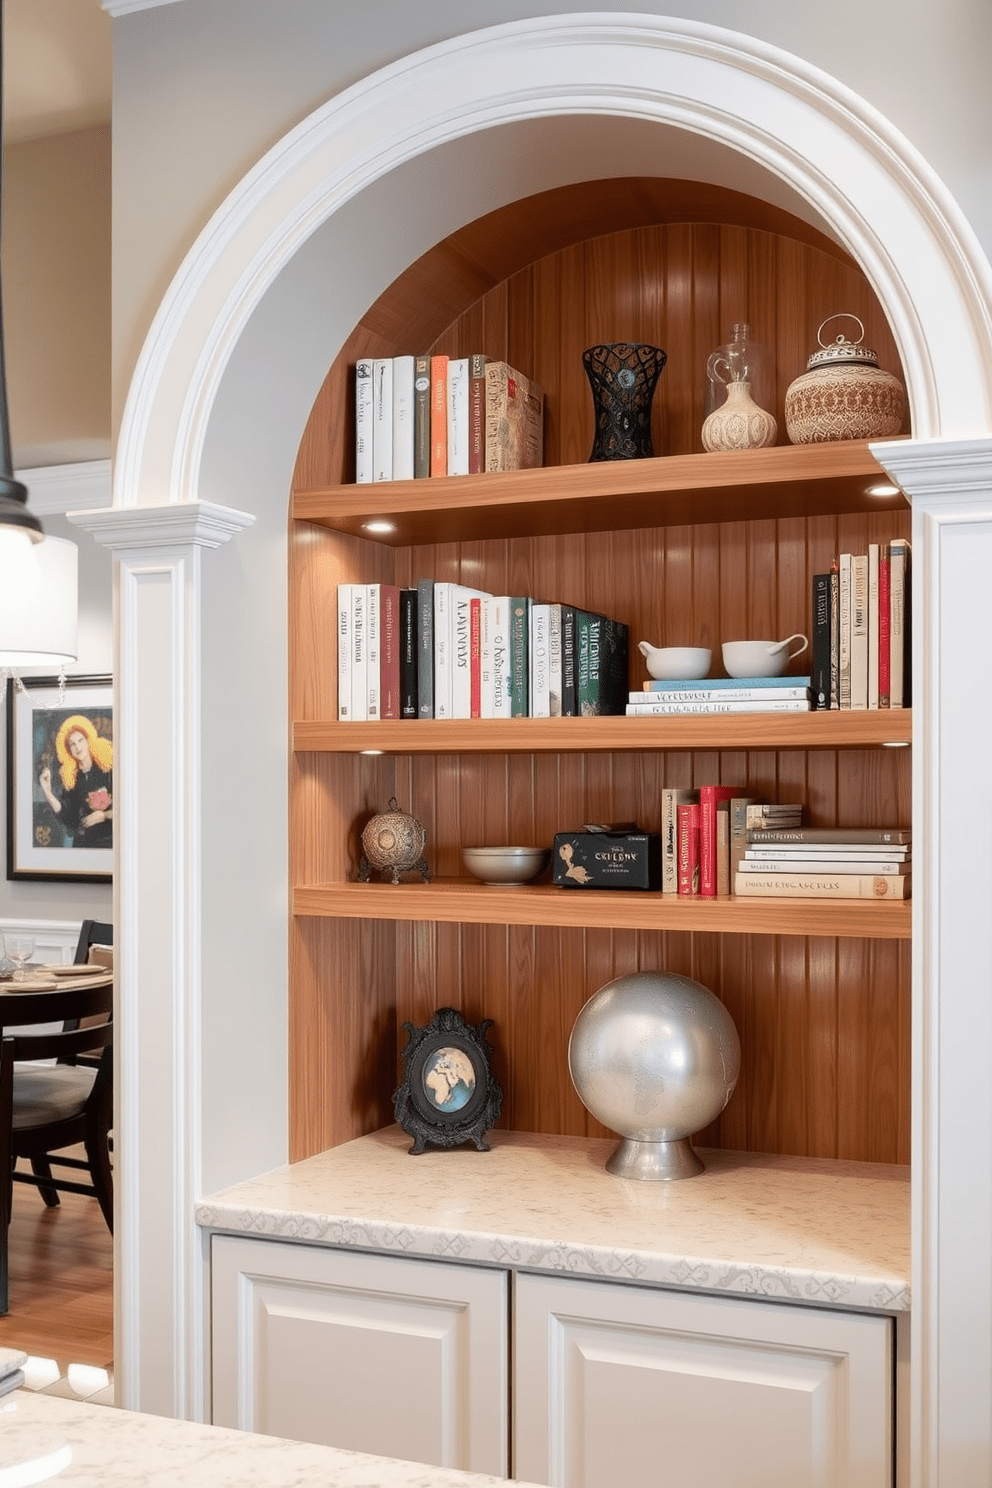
655	1057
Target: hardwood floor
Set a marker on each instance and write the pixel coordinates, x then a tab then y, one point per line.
61	1281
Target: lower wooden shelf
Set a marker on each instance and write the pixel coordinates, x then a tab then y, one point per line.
461	900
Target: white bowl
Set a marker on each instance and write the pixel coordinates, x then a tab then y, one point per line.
761	658
682	663
506	865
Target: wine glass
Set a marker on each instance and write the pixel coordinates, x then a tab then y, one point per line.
19	949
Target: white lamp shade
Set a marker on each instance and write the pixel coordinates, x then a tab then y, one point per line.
40	630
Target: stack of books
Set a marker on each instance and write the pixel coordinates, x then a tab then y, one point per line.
722	695
826	862
420	416
861	630
703	836
444	650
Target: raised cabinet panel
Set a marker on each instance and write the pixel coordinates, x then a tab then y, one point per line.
401	1358
625	1385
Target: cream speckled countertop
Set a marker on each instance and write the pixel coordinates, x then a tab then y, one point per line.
802	1230
91	1445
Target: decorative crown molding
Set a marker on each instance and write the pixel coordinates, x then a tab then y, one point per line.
55	490
203	524
115	8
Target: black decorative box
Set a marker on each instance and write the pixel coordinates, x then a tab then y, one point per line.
607	858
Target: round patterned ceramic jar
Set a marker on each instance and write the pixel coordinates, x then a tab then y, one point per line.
843	394
393	843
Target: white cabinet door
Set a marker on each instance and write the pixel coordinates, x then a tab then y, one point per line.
622	1385
403	1358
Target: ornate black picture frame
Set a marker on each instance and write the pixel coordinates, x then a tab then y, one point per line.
449	1094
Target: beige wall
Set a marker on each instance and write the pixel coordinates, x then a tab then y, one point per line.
56	296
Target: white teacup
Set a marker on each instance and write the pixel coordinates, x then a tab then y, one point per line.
761	658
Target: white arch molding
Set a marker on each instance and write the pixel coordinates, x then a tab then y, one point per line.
853	169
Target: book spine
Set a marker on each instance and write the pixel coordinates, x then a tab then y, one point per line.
708	694
458	416
709	797
671	800
823	886
756	705
382	419
409	654
389	651
476	414
898	552
363	420
859	631
898	836
844	641
767	814
344	652
830	853
820	865
590	629
443	692
403	416
421	417
688	849
461	650
359	652
873	551
373	679
820	676
425	649
834	637
583	622
722	848
884	627
475	656
514	419
519	668
719	686
614	666
568	694
499	629
554	661
540	679
738	831
439	415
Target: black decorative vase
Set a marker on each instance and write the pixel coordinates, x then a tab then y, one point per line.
623	377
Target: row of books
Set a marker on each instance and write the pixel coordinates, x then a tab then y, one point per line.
722	695
444	650
861	630
421	416
703	836
825	862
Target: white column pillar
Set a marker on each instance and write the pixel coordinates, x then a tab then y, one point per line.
950	486
160	1279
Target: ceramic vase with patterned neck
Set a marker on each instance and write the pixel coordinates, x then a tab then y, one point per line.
738	423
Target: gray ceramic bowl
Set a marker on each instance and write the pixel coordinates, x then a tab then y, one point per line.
506	865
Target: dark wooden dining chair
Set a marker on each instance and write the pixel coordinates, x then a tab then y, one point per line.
45	1108
92	933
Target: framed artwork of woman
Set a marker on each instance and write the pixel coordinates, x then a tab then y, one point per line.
60	782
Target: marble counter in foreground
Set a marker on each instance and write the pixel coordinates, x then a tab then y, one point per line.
94	1445
802	1230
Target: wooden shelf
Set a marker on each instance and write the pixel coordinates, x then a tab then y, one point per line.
463	901
736	731
785	481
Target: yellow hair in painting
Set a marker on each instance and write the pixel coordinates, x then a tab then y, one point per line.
101	750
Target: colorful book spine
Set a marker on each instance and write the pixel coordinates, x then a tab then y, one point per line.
583	624
363	420
859	631
820	675
425	649
344	652
898	627
739	692
403	417
409	654
519	658
844	632
439	415
671	800
476	414
382	419
688	849
709	796
461	648
834	637
389	651
735	686
873	552
372	660
514	419
569	706
475	656
458	436
823	885
421	417
884	627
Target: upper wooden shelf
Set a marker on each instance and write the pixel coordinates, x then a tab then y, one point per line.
785	481
834	729
466	902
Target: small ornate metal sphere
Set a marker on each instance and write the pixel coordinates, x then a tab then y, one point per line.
393	842
655	1057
